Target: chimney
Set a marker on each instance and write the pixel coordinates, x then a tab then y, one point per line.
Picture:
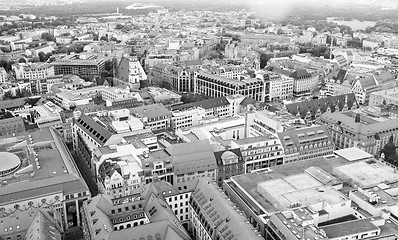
358	118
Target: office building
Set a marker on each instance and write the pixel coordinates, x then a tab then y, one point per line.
216	86
81	65
155	116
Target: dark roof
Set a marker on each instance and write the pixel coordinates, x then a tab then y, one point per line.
219	155
341	74
206	104
349	228
333	102
301	73
93	129
12	103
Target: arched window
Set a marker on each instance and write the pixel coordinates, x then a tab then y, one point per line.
129	225
141	222
121	227
16	206
30	203
135	224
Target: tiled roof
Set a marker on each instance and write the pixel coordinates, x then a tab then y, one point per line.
220	212
192	156
333	102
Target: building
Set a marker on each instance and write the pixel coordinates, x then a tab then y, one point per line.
306	143
10	125
192	160
33	71
144	215
260	153
229	163
47	115
277	86
130	71
387	96
356	128
47	177
71	99
81	65
294	198
114	95
178	78
155	116
32	223
3	75
216	86
213	216
304	81
312	109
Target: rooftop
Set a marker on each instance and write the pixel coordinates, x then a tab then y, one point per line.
353	154
349	228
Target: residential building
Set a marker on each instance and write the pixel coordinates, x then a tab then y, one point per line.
304	81
155	116
143	215
260	153
216	86
47	177
306	143
229	163
192	160
32	223
33	71
213	216
312	109
356	128
3	75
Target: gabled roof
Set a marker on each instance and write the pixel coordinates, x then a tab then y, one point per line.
333	102
90	126
368	82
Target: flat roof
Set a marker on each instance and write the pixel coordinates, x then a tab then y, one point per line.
353	154
349	228
367	174
8	161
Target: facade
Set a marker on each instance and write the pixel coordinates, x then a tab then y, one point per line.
192	160
167	75
82	66
260	153
312	109
388	96
277	86
33	71
216	86
143	215
155	116
358	129
3	75
131	71
306	143
229	163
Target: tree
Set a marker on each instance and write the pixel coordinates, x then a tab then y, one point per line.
22	60
42	56
48	37
104	38
119	26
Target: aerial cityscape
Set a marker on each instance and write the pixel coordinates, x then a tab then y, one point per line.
198	120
